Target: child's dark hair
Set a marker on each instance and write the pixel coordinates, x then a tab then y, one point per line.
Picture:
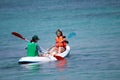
34	38
59	31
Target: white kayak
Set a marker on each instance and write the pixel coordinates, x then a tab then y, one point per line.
37	59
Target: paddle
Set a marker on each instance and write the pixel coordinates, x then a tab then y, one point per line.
72	34
21	37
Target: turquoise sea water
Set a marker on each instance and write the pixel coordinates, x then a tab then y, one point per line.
91	26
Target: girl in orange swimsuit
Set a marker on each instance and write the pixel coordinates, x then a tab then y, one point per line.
61	43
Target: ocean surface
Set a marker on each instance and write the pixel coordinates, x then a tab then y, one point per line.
92	28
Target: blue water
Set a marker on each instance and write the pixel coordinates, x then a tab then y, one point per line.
91	26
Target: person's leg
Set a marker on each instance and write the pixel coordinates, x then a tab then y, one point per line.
61	49
53	51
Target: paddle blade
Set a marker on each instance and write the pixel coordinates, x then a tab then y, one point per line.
72	34
18	35
58	57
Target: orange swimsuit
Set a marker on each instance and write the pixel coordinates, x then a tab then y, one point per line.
60	42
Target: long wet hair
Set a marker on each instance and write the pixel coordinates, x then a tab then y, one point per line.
59	31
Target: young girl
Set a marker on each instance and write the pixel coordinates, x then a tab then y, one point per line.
60	45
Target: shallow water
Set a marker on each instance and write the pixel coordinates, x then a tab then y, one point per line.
91	26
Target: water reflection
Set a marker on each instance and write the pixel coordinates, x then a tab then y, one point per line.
37	66
31	66
61	64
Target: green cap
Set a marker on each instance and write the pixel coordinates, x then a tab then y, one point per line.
35	37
